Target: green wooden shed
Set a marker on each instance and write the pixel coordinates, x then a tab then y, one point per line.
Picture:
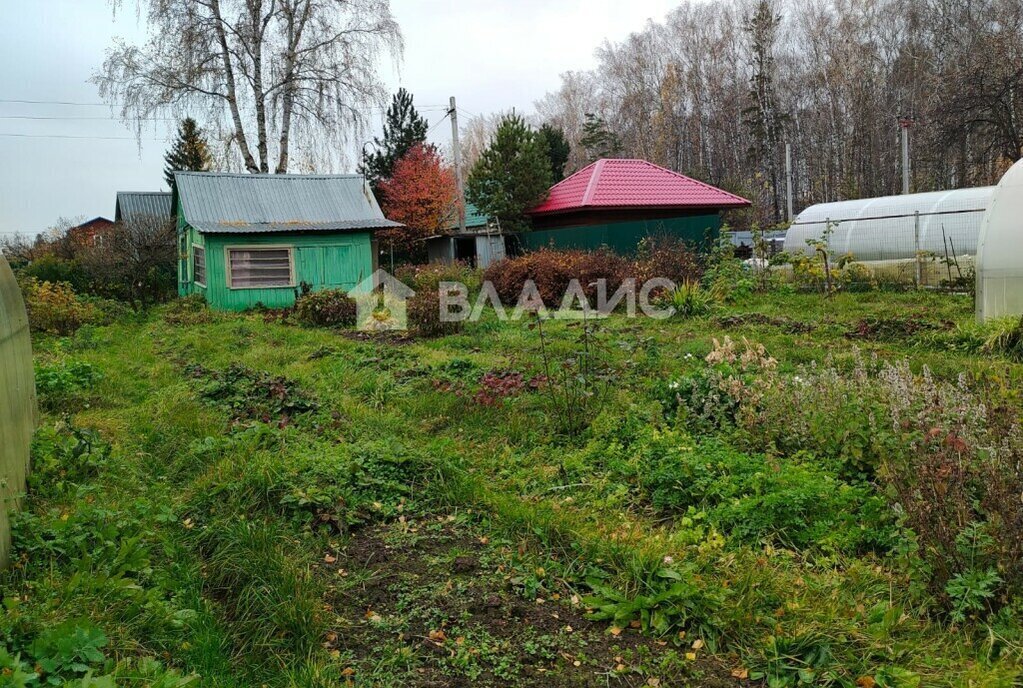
619	202
256	239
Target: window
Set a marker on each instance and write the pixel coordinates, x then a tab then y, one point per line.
199	265
256	268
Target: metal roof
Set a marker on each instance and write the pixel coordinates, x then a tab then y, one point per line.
135	203
473	218
625	183
219	203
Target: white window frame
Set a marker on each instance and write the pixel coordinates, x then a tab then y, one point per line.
260	247
205	266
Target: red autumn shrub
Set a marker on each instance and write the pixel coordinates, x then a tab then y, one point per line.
424	315
552	271
667	257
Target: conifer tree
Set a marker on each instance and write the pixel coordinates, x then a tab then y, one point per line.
189	153
511	176
557	148
599	141
403	129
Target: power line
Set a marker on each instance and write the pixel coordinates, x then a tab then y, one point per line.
49	102
23	101
437	124
70	136
73	117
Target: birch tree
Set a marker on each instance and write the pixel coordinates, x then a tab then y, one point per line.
270	74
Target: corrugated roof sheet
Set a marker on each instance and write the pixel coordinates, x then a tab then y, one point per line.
218	203
135	203
473	218
623	183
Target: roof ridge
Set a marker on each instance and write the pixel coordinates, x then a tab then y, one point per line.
591	186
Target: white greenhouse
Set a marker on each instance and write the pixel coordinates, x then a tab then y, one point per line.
895	227
1000	250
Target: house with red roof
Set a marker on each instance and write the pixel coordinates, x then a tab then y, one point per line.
617	202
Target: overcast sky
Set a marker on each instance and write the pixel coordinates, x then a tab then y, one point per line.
68	160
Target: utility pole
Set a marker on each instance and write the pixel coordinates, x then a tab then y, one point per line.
788	179
456	153
905	123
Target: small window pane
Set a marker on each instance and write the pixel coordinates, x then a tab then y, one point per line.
260	267
199	265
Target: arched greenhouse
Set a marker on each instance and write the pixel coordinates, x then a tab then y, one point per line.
1000	251
888	228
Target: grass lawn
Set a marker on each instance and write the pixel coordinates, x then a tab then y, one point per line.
230	500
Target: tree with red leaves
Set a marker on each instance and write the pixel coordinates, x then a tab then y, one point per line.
422	195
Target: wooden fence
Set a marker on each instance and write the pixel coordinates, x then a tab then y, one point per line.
17	401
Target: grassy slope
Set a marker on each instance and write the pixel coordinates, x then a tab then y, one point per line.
245	597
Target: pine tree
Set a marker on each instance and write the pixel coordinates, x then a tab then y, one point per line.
557	148
511	176
599	141
403	129
190	152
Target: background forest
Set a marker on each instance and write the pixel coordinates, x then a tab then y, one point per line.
717	89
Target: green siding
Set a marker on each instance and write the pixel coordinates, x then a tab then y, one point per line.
324	260
624	237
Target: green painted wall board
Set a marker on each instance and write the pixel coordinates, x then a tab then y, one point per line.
624	237
324	260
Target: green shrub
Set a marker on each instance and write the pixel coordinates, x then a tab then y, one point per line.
327	308
750	497
63	384
50	268
689	300
64	457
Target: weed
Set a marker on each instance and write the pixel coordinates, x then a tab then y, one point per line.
64	385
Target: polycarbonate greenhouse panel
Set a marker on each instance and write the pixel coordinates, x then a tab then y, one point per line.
895	227
1000	250
17	401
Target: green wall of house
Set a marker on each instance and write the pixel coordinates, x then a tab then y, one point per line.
624	237
324	260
